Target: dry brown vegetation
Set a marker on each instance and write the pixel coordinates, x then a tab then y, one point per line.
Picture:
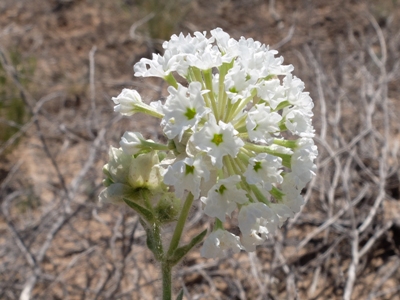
58	242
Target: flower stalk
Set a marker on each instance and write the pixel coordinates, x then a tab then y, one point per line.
239	137
176	237
166	271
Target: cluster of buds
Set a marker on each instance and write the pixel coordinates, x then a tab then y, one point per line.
240	138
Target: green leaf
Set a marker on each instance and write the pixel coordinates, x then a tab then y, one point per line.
145	213
180	295
181	252
153	240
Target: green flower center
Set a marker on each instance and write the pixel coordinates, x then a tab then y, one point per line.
217	139
221	189
189	169
257	166
190	113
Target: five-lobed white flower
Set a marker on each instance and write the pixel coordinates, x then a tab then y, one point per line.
261	123
223	197
264	169
237	84
183	109
187	175
256	221
159	66
217	140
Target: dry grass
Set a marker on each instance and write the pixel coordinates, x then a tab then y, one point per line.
58	242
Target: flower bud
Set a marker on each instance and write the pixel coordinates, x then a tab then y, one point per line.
131	142
167	208
144	172
129	102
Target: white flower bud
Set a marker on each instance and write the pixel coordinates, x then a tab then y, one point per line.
131	142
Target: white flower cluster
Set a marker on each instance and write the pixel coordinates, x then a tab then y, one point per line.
240	133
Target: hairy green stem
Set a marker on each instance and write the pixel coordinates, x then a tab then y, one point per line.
166	270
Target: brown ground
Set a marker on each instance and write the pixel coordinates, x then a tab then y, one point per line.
58	242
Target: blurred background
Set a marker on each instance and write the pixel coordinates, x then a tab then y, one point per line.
61	61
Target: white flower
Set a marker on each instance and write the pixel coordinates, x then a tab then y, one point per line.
252	239
271	91
307	144
226	45
117	168
298	122
291	187
261	122
210	58
237	84
293	87
187	44
294	201
181	47
223	197
259	61
257	216
251	56
129	102
218	243
159	66
187	174
304	102
256	221
126	102
183	109
303	160
273	65
282	211
264	168
217	140
131	142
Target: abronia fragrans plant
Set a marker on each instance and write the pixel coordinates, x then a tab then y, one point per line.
240	138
